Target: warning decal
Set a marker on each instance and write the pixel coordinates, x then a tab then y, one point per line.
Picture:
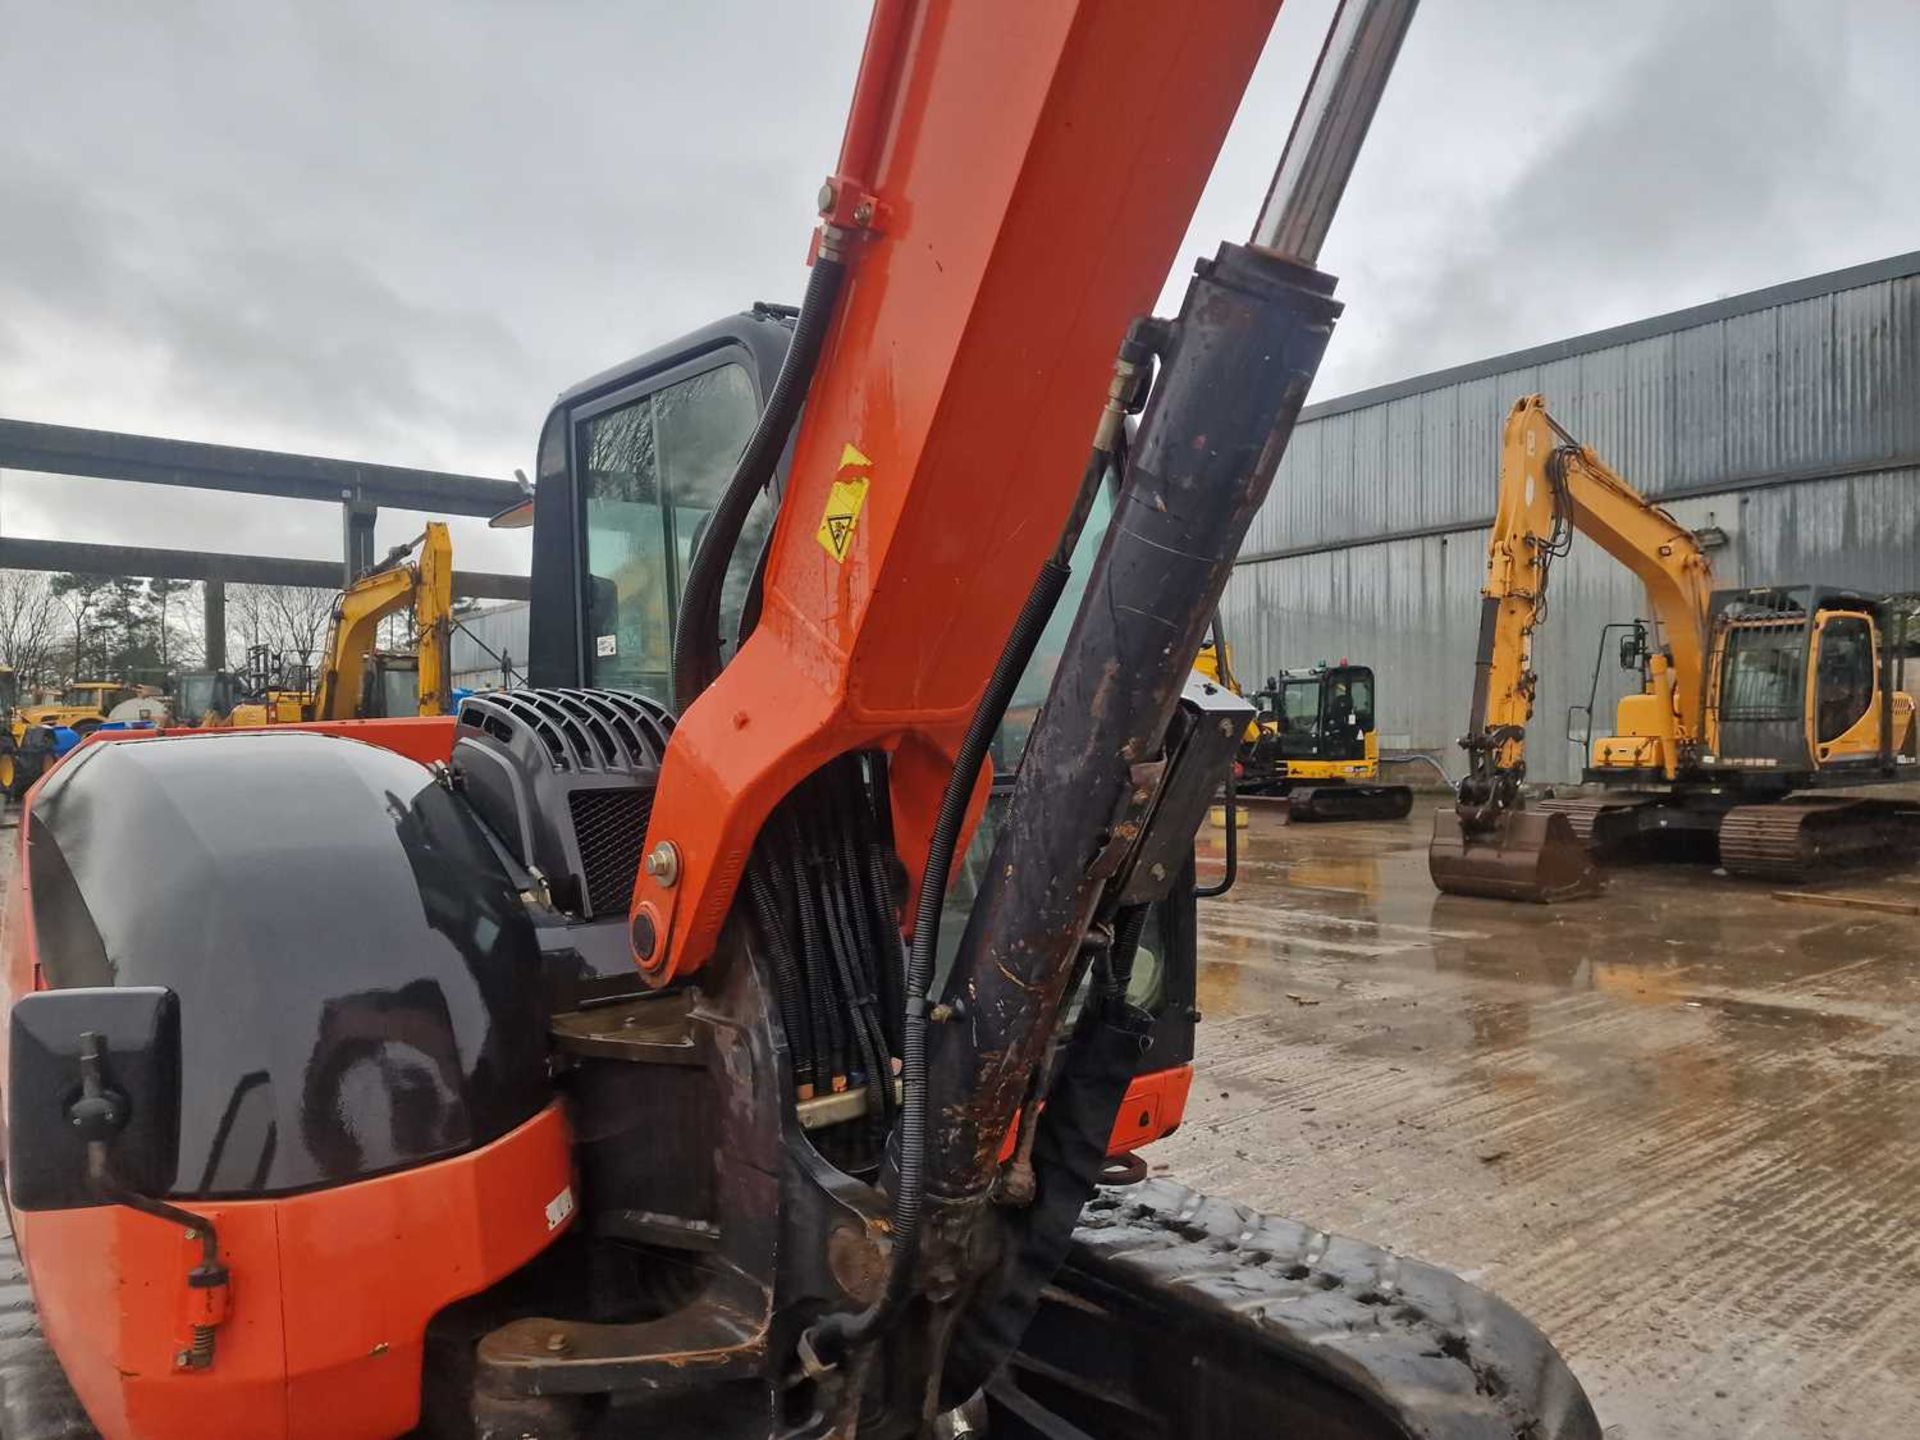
844	502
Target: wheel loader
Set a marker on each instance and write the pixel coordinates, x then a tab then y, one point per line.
613	1057
1754	705
83	705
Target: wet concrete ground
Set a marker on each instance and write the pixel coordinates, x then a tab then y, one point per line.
1679	1125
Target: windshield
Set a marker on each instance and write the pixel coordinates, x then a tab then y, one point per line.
196	696
1765	671
1300	706
89	695
1011	741
653	469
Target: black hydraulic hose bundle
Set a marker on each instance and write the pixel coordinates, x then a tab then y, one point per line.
841	1330
1132	371
819	899
789	982
696	646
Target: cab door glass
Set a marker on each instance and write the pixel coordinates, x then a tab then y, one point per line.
629	599
1845	676
1363	699
651	472
703	425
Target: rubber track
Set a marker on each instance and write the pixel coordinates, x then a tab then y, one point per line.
36	1402
1445	1360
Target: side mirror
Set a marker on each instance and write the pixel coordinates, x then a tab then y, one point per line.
92	1065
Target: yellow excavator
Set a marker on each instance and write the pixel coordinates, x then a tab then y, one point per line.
1312	740
1749	699
355	680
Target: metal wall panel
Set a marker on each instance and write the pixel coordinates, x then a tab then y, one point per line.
501	629
1815	383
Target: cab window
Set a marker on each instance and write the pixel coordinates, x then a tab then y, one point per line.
651	471
1300	707
1845	676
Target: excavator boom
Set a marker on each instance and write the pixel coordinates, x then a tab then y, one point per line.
424	584
1552	487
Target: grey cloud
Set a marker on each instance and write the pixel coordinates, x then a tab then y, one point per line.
396	231
1721	156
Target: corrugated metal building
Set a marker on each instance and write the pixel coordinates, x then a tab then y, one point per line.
1789	418
488	641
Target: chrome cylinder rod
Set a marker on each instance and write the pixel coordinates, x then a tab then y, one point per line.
1348	80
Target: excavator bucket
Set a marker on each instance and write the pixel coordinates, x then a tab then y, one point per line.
1523	855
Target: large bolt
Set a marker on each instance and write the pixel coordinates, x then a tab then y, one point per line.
663	864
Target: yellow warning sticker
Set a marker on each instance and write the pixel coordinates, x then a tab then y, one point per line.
844	503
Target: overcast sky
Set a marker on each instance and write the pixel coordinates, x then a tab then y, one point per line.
393	231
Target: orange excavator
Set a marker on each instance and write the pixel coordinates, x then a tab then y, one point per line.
609	1058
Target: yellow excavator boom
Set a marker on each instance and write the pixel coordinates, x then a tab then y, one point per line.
427	585
1550	487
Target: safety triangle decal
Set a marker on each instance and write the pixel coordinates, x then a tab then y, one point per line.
845	500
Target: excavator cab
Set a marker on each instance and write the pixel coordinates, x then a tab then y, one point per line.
1803	685
631	461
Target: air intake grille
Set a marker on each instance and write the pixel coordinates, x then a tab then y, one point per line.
609	826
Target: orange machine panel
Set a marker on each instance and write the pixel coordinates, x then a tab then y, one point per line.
1153	1109
331	1294
1022	175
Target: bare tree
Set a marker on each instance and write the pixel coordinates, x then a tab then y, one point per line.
32	627
288	620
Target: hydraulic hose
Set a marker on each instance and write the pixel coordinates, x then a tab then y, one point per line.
837	1332
696	646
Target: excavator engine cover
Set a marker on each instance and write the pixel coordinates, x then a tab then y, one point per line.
1521	855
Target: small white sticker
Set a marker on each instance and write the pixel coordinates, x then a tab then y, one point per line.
604	645
559	1208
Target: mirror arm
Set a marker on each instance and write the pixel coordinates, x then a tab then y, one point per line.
98	1115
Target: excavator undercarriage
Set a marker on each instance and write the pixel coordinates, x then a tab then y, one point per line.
1795	838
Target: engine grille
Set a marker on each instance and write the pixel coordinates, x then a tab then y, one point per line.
610	827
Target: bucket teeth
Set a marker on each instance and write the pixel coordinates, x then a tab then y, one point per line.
1521	855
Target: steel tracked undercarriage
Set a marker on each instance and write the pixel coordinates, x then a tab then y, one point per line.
1799	838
